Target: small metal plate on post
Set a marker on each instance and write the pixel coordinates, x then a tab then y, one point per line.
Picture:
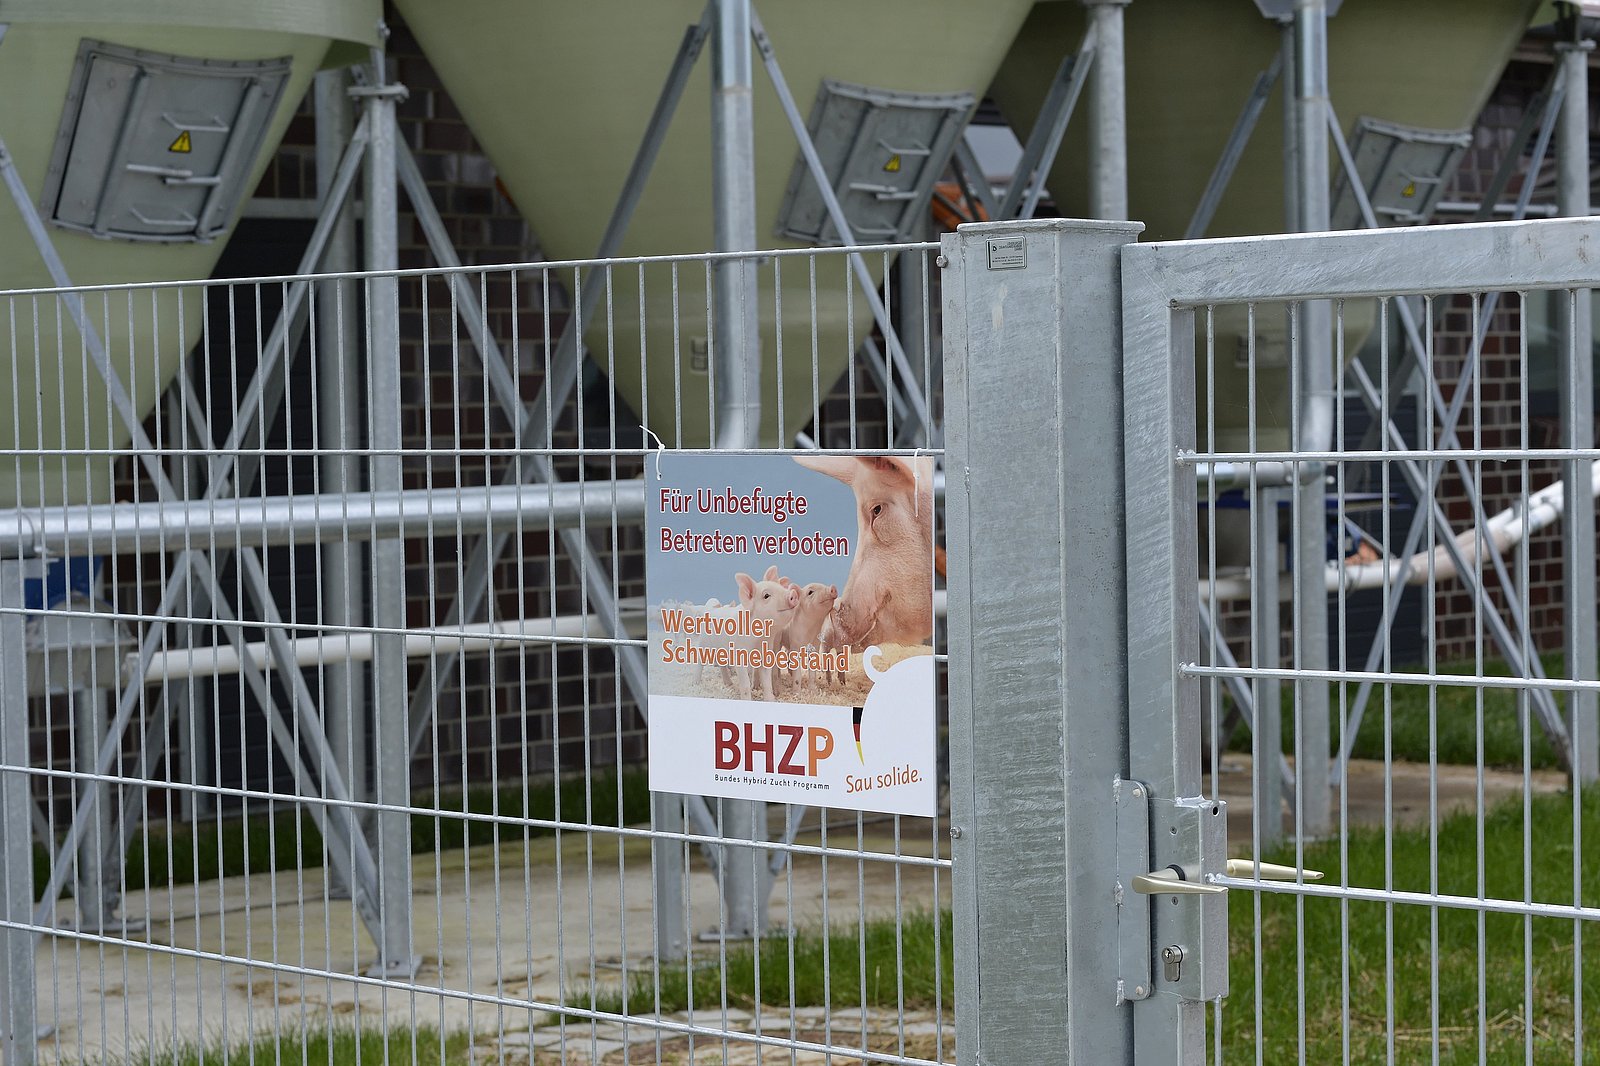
1008	253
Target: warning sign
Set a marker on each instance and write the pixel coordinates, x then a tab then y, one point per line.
182	144
893	165
791	629
1410	190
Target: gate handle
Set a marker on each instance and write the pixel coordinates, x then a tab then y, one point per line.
1270	871
1171	882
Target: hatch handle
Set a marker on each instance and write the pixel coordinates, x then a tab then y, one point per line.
173	175
183	221
212	124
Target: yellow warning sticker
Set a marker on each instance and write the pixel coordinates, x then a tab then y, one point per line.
1409	190
182	144
893	165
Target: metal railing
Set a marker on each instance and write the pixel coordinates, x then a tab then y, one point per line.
329	725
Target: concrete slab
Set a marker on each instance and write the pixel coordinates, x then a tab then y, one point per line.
503	932
1409	789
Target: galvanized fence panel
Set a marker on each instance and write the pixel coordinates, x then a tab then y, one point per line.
1432	897
323	646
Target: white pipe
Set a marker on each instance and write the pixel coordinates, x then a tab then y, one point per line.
187	663
218	660
1504	531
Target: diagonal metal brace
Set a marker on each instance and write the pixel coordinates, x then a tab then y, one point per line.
1044	140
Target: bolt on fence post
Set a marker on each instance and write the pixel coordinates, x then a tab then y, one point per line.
1038	651
17	991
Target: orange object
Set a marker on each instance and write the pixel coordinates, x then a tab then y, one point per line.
949	209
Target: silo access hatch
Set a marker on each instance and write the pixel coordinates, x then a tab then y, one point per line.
157	147
883	151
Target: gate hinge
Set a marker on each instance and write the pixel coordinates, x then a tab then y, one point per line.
1172	922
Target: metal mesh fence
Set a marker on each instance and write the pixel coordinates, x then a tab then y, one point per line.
1408	817
324	625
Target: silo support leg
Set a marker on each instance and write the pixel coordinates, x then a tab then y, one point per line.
392	762
1577	421
531	419
17	988
1044	140
1233	151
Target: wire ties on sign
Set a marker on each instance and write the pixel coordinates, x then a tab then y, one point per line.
41	549
660	447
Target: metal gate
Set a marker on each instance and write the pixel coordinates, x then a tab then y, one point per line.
1143	437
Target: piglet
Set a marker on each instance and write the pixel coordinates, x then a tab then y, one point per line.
805	626
771	599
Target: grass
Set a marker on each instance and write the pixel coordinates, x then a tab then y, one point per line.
837	976
1454	734
1497	1014
828	969
1389	988
287	839
339	1046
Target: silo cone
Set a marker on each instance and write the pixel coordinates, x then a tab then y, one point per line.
118	117
559	94
1190	65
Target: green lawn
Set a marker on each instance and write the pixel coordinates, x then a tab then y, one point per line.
1369	927
827	969
1458	1006
316	1045
899	968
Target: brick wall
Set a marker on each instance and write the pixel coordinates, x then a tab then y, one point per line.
1494	409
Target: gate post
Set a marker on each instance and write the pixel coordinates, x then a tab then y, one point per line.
1038	650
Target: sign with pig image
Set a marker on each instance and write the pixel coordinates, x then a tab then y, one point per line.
790	601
